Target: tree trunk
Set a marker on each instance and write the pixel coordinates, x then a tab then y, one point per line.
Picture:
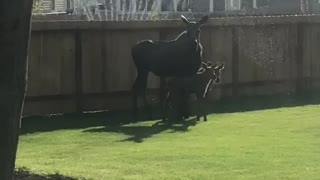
14	41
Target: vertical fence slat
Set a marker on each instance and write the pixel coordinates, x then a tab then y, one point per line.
299	56
78	71
235	60
103	62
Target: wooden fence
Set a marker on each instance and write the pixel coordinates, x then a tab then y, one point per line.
86	66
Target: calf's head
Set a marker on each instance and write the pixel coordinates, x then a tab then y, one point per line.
211	70
216	74
211	73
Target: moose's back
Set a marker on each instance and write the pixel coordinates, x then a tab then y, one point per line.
173	58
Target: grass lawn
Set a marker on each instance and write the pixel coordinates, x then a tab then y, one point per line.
280	143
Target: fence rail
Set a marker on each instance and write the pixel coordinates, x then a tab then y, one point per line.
87	66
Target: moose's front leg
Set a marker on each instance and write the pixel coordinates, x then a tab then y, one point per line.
201	108
204	108
186	105
163	98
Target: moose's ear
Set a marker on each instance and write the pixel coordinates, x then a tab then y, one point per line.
201	70
220	67
203	20
204	65
209	64
184	19
214	65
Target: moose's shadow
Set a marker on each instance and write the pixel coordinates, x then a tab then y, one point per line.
140	132
38	124
121	120
25	174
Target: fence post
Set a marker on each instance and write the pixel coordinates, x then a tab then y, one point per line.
235	60
78	72
299	58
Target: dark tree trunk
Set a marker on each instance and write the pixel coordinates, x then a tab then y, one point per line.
14	40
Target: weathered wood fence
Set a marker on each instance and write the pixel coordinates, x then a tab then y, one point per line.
87	66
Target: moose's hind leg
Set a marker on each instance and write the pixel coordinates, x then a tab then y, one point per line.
135	95
139	90
163	98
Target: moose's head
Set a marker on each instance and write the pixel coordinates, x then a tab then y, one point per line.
193	28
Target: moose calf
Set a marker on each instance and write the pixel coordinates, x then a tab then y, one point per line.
179	89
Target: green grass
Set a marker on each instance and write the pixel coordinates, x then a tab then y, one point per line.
280	143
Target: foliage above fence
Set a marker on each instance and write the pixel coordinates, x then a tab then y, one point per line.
46	23
37	7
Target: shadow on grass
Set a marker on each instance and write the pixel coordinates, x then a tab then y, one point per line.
72	121
118	120
25	174
138	133
243	104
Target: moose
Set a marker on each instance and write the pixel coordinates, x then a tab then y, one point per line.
180	57
179	89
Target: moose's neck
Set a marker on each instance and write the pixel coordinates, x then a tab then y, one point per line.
182	35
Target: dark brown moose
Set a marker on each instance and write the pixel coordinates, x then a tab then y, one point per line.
180	57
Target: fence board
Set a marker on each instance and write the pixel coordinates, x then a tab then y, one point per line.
92	60
51	64
34	66
221	48
120	63
312	63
